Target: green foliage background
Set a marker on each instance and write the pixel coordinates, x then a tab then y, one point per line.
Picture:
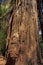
4	8
3	27
3	36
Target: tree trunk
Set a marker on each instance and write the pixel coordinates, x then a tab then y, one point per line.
23	44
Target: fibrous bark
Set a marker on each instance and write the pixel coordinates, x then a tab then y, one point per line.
22	39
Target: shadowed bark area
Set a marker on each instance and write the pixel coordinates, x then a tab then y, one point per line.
22	40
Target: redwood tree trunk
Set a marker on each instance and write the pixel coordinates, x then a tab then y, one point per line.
23	45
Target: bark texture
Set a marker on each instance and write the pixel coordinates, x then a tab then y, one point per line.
22	40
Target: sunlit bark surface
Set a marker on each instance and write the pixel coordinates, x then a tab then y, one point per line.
22	40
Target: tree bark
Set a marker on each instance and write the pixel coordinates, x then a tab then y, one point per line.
23	45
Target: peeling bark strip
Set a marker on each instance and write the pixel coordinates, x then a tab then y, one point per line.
23	44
